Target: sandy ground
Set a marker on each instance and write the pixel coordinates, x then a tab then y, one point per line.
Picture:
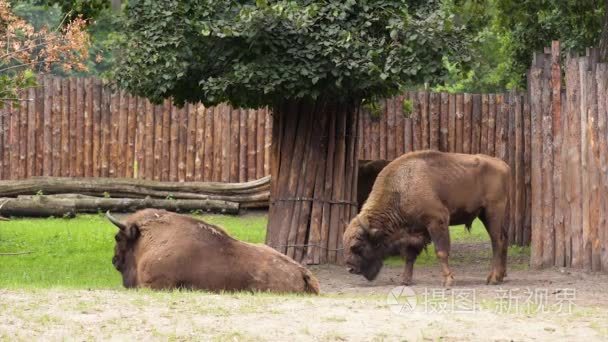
530	305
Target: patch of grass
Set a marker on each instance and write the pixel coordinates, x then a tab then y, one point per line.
78	252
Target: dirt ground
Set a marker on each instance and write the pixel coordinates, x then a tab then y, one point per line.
530	305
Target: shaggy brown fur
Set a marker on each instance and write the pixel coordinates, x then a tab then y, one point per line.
414	200
163	250
368	171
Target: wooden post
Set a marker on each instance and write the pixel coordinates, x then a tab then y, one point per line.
483	148
56	127
174	145
391	148
492	105
106	117
158	143
527	228
242	145
382	125
182	145
31	132
47	135
131	136
548	229
261	132
520	188
408	134
233	142
166	145
87	114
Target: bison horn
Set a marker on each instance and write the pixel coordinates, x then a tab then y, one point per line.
115	221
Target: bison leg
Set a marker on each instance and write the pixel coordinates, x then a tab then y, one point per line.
440	235
493	220
411	253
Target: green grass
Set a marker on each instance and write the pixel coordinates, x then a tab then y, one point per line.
78	252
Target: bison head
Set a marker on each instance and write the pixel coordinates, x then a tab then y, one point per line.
123	259
364	248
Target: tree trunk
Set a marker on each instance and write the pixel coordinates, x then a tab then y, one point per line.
313	179
604	35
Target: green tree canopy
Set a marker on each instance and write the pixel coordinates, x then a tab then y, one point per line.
257	53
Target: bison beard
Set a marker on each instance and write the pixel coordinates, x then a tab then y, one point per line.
163	250
414	200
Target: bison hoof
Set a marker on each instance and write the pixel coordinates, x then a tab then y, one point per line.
494	278
448	281
407	282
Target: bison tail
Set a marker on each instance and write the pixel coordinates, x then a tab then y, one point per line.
311	284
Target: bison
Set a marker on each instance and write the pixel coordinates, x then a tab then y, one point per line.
414	200
162	250
368	171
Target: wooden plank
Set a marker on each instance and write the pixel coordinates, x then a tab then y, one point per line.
251	142
56	127
31	131
416	122
483	147
476	124
88	128
399	127
138	155
23	110
166	137
106	122
190	142
452	123
200	143
520	188
123	122
114	113
408	124
216	166
261	132
574	188
3	134
243	145
491	150
64	130
467	123
391	129
601	77
592	246
434	120
182	143
459	122
536	258
174	142
209	143
131	136
423	98
97	128
13	133
585	246
40	102
225	139
382	126
443	123
158	141
233	142
48	128
556	112
375	137
527	171
267	141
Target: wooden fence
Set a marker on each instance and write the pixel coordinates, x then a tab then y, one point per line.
569	160
78	128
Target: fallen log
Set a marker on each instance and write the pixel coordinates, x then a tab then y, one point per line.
58	185
45	206
254	194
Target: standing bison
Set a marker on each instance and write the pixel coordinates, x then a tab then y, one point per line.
163	250
414	200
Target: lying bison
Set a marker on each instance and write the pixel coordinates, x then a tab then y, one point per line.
414	200
163	250
368	171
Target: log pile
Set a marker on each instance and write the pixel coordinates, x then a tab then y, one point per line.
52	196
